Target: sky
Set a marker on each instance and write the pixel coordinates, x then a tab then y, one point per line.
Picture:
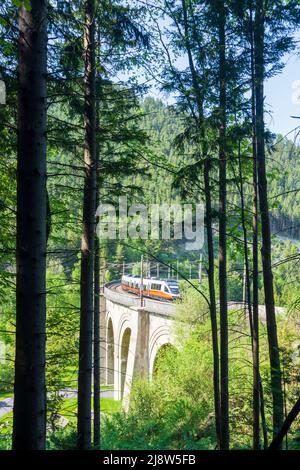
282	92
282	98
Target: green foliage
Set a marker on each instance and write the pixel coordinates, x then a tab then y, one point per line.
22	3
161	418
6	431
65	439
62	335
176	410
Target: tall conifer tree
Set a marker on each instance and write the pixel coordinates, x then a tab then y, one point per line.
29	423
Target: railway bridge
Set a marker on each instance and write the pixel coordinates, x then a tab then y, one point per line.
131	337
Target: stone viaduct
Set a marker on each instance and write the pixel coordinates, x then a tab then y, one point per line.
131	337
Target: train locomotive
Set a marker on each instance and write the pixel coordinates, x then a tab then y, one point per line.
160	289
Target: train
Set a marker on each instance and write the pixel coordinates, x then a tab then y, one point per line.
161	289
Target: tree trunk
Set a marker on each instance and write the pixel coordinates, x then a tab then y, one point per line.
222	230
212	299
97	294
257	400
276	385
277	441
262	414
97	339
29	421
87	243
207	189
255	321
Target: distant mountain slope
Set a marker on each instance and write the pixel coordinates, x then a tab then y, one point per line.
163	125
284	180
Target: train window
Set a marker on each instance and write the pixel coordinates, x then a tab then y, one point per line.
156	286
166	289
174	289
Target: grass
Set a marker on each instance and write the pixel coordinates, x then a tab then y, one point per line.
4	395
106	387
70	379
7	418
68	409
6	424
109	406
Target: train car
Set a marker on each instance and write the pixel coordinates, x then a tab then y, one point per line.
161	289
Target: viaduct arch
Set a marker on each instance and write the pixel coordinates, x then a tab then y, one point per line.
131	337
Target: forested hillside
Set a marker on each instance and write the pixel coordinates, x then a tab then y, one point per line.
163	124
284	187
